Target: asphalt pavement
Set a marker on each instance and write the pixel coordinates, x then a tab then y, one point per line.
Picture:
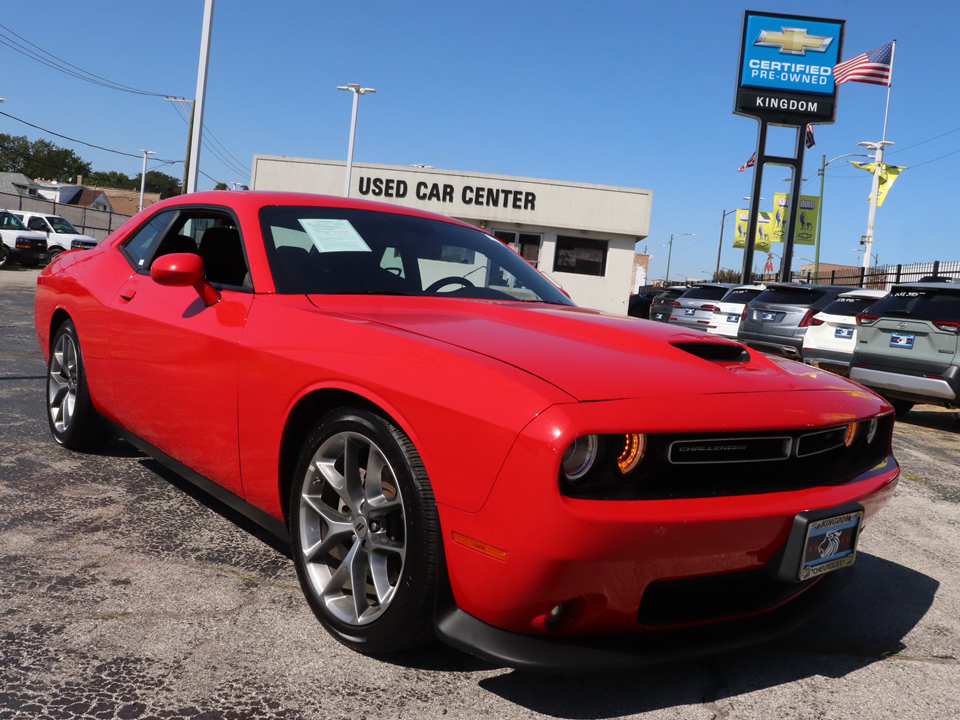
125	593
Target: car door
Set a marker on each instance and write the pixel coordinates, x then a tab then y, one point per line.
175	358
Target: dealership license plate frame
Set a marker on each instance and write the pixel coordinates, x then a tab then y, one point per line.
843	333
906	344
768	316
804	558
733	317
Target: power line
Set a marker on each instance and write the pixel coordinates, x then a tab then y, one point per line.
63	66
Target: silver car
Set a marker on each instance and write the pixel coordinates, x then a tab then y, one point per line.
776	320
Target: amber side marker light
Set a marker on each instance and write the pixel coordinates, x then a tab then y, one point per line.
480	547
851	434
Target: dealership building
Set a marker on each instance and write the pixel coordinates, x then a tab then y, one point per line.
582	236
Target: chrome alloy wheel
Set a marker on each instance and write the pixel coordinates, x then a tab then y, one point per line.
62	381
352	528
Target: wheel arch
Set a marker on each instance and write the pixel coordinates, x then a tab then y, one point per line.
59	317
301	420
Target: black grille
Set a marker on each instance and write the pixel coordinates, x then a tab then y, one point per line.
821	442
702	599
729	450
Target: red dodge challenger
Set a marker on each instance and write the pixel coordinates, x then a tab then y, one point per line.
451	447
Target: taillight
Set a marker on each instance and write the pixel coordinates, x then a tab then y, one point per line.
710	308
950	327
675	303
808	318
816	321
864	319
743	315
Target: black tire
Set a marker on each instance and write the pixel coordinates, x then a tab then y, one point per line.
374	515
52	255
4	256
74	422
901	407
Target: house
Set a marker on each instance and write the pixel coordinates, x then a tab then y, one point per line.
12	183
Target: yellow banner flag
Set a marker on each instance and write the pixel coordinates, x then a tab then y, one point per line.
764	230
888	175
805	231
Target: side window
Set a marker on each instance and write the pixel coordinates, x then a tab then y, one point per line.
38	224
138	247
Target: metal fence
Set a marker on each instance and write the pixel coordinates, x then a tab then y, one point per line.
882	277
95	223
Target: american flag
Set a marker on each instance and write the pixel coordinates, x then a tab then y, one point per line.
873	67
749	163
808	141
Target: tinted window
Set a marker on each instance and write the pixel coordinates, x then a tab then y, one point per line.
316	250
581	256
138	247
740	295
705	293
926	304
790	296
848	305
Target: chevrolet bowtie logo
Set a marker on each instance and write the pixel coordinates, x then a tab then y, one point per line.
793	41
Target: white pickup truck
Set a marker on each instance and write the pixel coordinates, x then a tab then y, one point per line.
19	244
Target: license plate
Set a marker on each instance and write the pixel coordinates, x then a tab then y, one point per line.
735	317
768	316
902	340
658	316
831	544
844	333
689	311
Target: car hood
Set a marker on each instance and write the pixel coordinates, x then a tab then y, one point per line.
589	354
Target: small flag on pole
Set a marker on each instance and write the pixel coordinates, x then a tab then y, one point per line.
874	67
809	141
748	164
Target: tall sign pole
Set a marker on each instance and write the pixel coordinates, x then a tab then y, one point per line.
193	169
785	79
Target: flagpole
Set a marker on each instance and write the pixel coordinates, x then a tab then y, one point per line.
886	113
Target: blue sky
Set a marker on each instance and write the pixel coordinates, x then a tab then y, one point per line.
633	94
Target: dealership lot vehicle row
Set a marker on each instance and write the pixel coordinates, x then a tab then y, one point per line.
126	593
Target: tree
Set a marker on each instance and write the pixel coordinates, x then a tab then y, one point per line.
158	182
726	276
111	179
40	159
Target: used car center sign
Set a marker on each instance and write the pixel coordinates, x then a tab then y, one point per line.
786	68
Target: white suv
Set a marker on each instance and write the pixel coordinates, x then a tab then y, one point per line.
61	235
832	336
728	310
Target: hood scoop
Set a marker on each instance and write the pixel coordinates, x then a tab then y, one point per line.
714	351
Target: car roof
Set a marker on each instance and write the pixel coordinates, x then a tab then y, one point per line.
864	293
254	200
928	286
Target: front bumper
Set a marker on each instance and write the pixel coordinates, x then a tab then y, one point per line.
601	558
617	652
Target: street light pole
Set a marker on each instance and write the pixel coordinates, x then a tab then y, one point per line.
670	252
823	175
720	250
143	175
357	92
877	147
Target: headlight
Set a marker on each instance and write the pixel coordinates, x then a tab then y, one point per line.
872	426
580	457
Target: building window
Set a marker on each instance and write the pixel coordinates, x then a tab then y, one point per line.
580	256
527	244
